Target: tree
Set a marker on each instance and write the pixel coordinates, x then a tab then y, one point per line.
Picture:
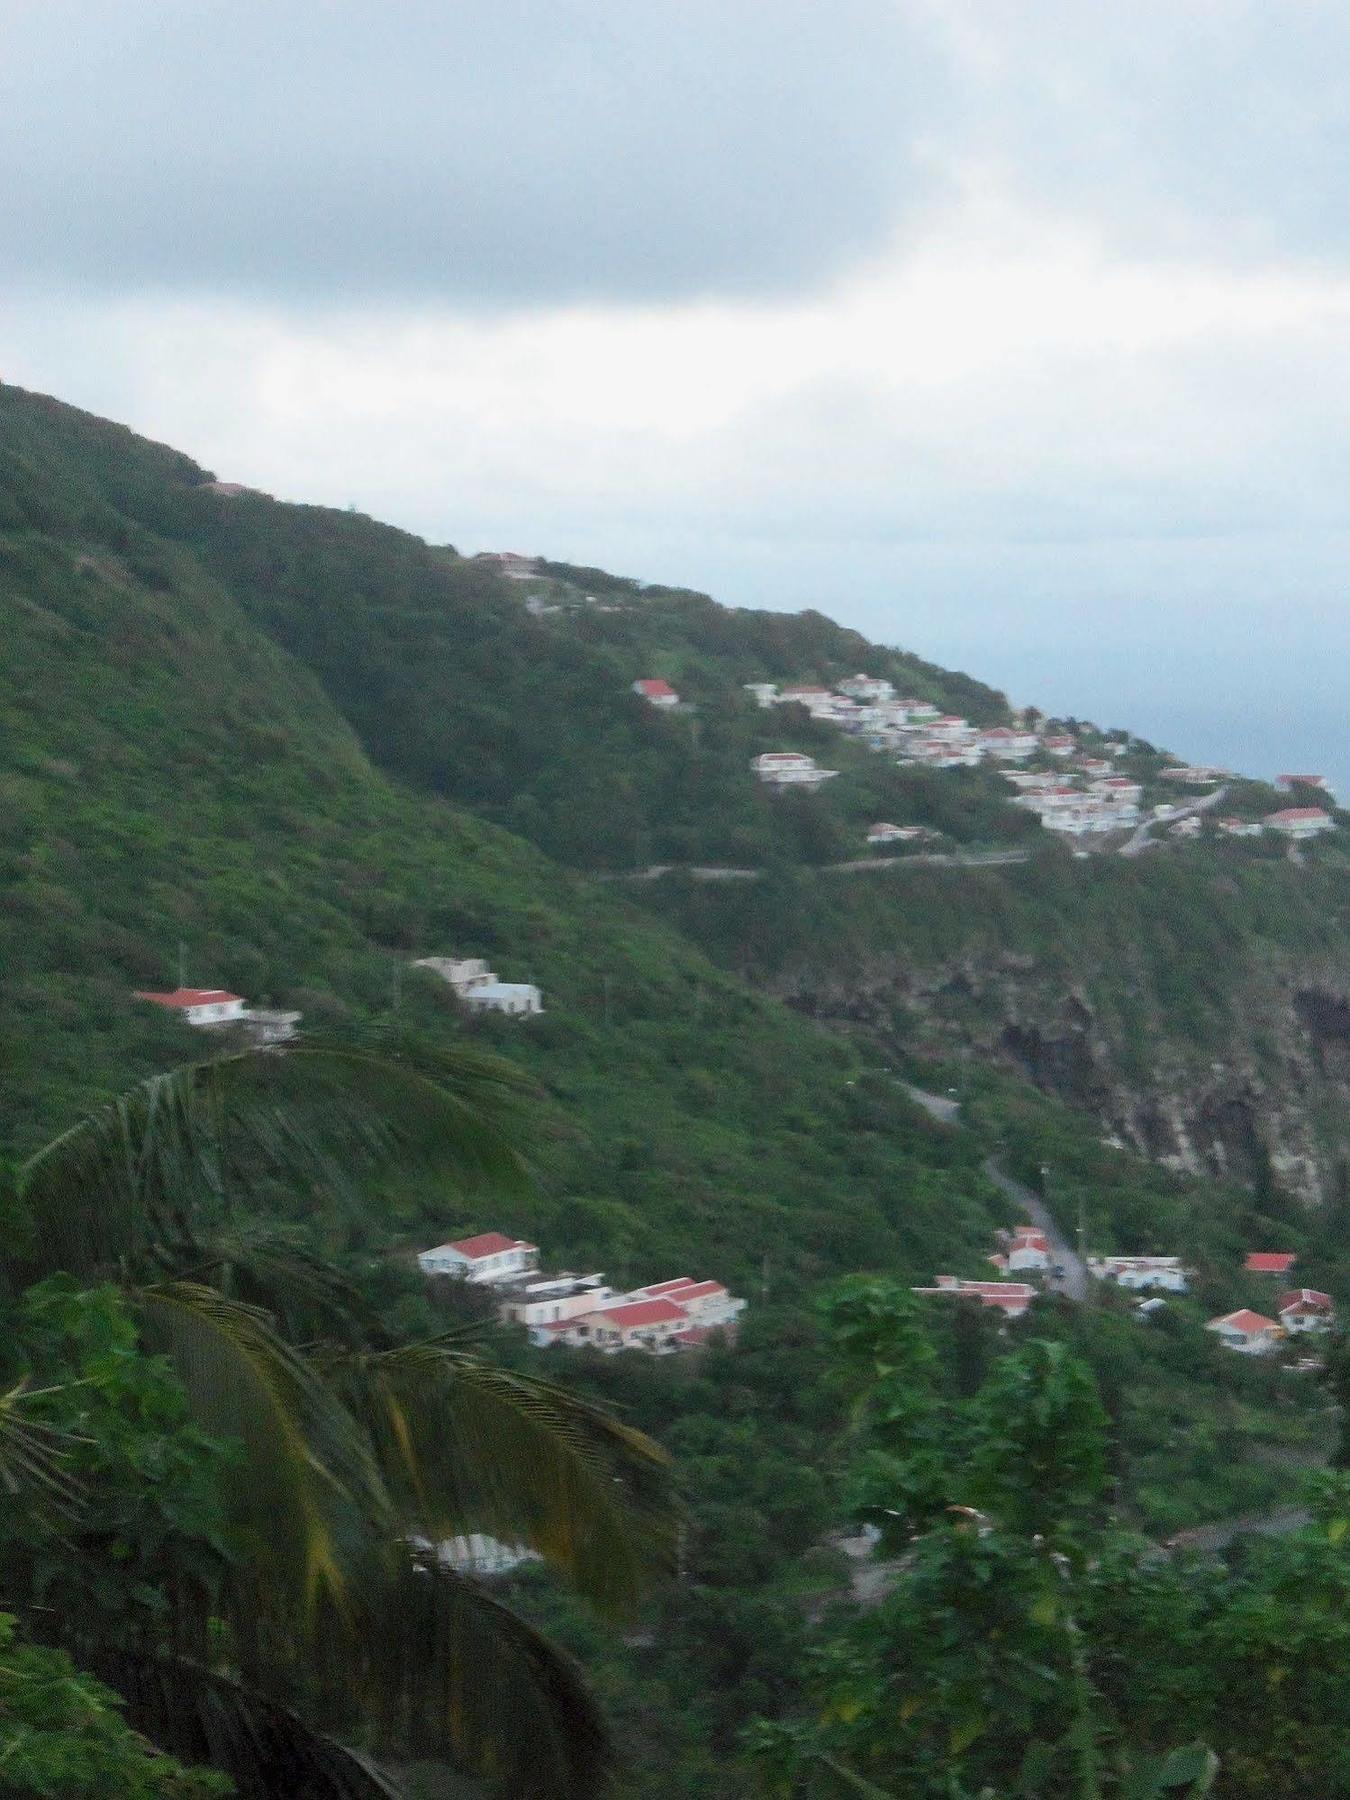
317	1601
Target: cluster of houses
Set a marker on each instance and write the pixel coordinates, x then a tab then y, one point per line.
582	1311
1026	1251
217	1009
478	988
1298	1311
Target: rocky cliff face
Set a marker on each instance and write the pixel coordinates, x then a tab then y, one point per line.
1268	1108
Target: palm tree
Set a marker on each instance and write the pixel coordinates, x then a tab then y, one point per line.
355	1455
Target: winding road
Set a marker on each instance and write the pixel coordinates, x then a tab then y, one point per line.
1140	840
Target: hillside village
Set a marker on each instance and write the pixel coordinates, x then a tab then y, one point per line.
1030	1252
1072	787
582	1312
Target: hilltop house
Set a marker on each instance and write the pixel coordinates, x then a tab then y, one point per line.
1248	1332
1318	783
509	563
788	768
1299	822
656	693
1163	1272
488	1260
1306	1309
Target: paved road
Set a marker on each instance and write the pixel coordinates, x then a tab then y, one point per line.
1140	839
931	859
1075	1283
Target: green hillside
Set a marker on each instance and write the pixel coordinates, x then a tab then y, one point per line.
290	751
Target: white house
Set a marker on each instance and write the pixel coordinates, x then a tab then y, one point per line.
1059	744
488	1260
765	692
201	1006
461	973
1007	745
553	1298
656	693
1012	1298
1028	1248
1299	822
1163	1272
1305	1309
650	1325
509	563
1247	1332
867	687
519	998
788	768
705	1303
1240	827
894	834
1193	775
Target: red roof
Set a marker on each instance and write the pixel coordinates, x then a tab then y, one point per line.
1270	1262
1244	1320
182	998
641	1312
654	689
697	1290
487	1243
1289	815
1307	1299
658	1288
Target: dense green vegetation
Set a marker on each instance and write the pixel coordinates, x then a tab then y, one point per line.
289	751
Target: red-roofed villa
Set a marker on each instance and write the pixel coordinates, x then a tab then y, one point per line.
1246	1331
488	1259
656	693
1270	1262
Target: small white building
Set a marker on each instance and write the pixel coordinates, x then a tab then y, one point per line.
1006	745
488	1260
656	693
1028	1249
1299	822
517	998
1012	1298
765	693
552	1298
894	834
789	768
1164	1273
866	687
201	1006
461	973
1240	828
1248	1332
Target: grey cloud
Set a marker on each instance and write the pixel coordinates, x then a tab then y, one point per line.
1176	125
513	151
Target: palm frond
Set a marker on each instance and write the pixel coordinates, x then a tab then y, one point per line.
305	1492
443	1669
147	1178
466	1446
200	1716
34	1455
271	1268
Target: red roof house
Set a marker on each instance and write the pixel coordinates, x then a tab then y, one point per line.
656	693
1270	1262
1247	1331
200	1006
1306	1309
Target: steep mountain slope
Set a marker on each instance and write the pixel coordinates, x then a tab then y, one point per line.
175	784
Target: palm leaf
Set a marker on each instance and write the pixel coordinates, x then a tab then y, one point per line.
33	1454
305	1493
440	1668
201	1716
146	1179
466	1446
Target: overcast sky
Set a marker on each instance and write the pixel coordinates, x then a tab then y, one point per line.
1013	332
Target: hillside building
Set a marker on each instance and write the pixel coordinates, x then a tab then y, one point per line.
1164	1273
488	1260
200	1006
1250	1333
656	693
1306	1309
1299	822
520	999
789	768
